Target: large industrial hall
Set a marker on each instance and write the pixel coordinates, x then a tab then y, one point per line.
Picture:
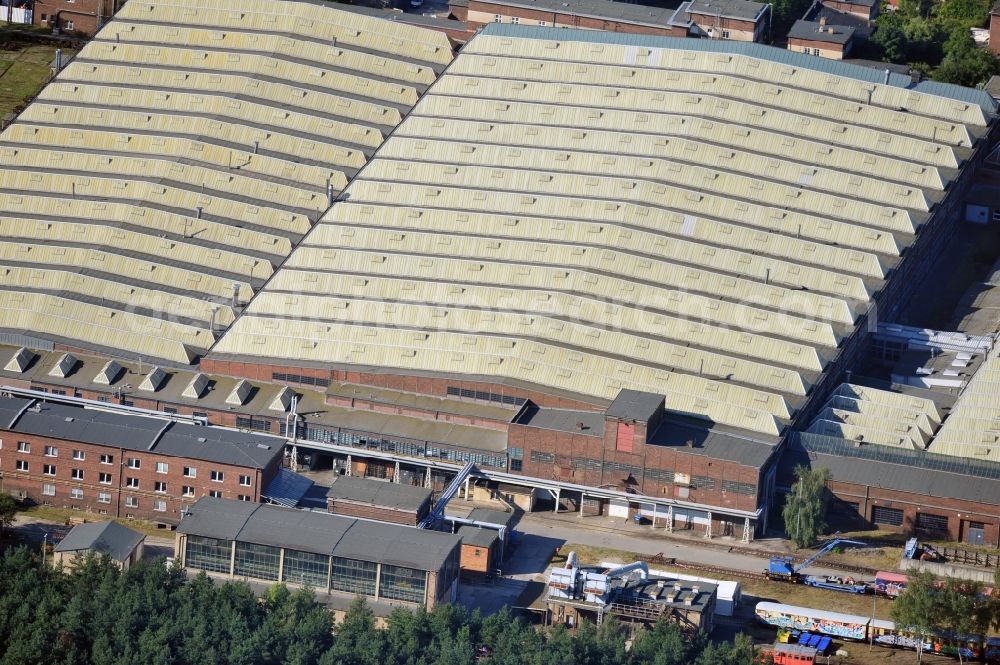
625	275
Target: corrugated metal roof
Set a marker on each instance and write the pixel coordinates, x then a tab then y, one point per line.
109	538
319	533
753	50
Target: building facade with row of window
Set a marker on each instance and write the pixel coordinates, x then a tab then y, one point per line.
388	564
126	465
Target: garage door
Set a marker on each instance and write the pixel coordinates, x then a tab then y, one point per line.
887	516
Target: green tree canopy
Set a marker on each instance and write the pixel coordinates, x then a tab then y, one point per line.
805	506
8	508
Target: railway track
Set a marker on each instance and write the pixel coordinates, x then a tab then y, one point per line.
658	559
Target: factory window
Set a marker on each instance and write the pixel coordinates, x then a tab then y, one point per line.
133	463
215	494
498	18
68	26
208	554
51	451
103	497
22	465
542	23
160	506
733	487
187	490
515	19
306	568
190	472
353	576
132	482
131	502
542	458
160	487
815	51
585	463
107	459
249	422
703	482
485	396
217	476
243	497
516	465
76	474
200	414
169	409
662	475
258	561
515	453
932	526
245	481
48	489
23	447
162	467
887	516
725	34
401	583
78	455
300	378
104	478
76	493
49	469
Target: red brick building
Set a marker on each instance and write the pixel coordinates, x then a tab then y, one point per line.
928	495
634	447
77	17
740	20
126	465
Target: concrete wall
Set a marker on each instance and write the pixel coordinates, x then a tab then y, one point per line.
826	49
984	575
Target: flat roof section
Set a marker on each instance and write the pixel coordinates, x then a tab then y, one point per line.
492	516
659	16
735	9
586	423
716	442
634	405
319	533
378	493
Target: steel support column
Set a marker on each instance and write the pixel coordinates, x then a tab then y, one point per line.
670	519
708	529
349	465
746	530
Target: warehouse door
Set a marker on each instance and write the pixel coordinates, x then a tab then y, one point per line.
974	533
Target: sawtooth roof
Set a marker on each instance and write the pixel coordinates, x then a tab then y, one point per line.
599	212
155	184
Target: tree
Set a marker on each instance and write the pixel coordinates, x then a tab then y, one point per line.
8	508
805	505
963	610
916	611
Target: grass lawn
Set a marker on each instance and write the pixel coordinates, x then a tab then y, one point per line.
63	515
23	72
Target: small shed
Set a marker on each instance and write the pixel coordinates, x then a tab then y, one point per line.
480	550
121	543
378	500
487	516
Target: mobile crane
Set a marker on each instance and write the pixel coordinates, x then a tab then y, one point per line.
784	569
